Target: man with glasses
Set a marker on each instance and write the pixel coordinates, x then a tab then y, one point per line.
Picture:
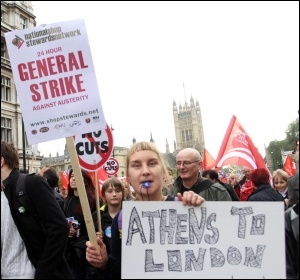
189	164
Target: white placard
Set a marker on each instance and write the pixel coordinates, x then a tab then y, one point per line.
225	240
55	80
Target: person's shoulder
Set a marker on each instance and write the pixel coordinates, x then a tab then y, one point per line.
177	181
294	178
227	185
33	177
34	182
58	196
242	181
218	186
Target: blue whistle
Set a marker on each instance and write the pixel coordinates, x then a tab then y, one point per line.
146	184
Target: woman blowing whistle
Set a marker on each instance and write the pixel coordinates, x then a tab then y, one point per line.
145	172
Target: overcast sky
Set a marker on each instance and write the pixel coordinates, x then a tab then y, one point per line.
235	58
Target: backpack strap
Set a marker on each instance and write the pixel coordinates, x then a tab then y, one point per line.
23	197
21	192
20	188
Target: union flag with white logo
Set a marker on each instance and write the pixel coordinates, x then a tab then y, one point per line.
238	149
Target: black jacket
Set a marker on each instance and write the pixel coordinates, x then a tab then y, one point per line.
59	199
293	189
231	191
265	193
46	237
291	217
106	222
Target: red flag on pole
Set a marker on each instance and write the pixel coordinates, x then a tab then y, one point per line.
101	176
289	166
238	149
208	160
64	177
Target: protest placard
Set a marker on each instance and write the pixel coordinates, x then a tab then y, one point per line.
225	240
94	148
55	80
57	89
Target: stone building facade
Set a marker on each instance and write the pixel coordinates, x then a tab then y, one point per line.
188	126
15	15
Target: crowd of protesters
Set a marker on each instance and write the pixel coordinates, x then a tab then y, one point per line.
51	241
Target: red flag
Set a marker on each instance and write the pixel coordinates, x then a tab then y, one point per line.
64	177
238	149
289	166
208	160
101	175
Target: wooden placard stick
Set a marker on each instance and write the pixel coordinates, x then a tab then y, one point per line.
97	201
82	192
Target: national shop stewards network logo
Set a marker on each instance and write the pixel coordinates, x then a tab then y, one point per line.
44	36
17	41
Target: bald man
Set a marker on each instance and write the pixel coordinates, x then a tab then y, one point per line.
189	164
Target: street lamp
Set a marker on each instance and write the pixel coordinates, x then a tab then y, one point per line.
27	161
273	162
23	145
112	129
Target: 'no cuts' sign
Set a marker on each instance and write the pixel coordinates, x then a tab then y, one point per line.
94	148
111	167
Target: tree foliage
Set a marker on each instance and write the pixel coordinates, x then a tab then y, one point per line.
276	147
292	134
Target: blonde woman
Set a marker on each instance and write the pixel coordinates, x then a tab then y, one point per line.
280	178
146	171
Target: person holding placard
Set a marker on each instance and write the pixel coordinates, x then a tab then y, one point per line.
145	172
75	252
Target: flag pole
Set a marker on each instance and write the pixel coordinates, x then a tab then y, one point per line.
97	201
82	192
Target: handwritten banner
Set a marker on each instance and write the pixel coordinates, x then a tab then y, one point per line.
225	240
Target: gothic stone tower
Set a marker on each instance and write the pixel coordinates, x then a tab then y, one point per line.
188	126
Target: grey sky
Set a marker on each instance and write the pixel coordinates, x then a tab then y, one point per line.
235	58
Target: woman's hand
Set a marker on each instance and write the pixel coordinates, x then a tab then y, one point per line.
190	198
97	258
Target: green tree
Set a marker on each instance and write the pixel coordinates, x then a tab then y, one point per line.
292	134
288	144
